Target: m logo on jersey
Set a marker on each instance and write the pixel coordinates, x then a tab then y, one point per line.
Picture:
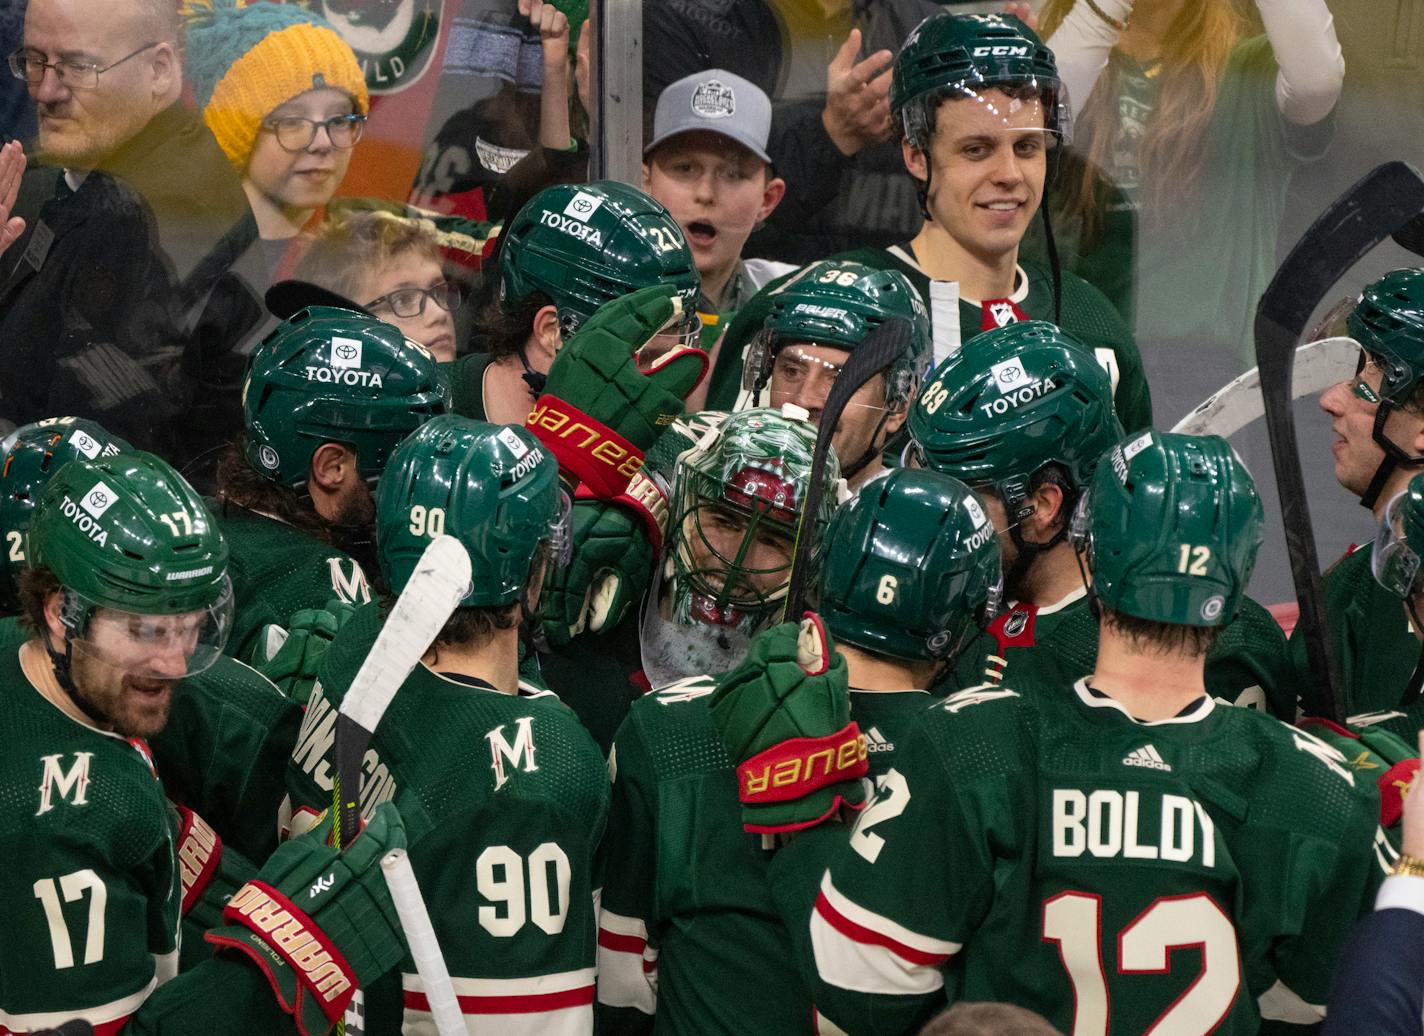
520	755
74	781
394	40
1147	756
349	582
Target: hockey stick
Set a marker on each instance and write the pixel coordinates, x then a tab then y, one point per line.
879	349
1318	365
1411	236
440	581
1382	202
424	948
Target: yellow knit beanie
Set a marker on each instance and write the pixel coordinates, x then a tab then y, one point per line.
244	60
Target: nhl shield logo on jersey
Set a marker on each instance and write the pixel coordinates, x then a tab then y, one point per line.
394	40
714	99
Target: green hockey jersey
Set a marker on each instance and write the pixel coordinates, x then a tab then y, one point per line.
277	570
1375	651
1087	315
504	800
1249	664
1192	875
224	751
687	929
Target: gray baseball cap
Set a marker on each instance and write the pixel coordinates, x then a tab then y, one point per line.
717	101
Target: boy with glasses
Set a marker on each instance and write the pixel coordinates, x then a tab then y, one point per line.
391	266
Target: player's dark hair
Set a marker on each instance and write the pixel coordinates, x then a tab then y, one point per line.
506	331
1162	638
239	485
988	1019
473	628
36	584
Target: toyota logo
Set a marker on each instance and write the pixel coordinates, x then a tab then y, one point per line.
98	499
346	352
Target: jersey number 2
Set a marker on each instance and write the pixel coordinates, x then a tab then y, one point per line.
1073	920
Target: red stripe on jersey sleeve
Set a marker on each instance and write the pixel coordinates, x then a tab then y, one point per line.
534	1003
621	943
861	934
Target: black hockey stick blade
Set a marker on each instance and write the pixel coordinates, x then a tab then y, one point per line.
1411	236
287	298
1385	200
879	349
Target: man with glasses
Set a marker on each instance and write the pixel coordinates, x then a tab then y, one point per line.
391	266
129	195
1377	440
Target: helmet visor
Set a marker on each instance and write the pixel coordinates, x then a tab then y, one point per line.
154	647
1393	562
803	373
561	533
683	333
1036	108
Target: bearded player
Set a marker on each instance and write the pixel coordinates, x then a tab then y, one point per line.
503	793
909	571
1024	414
1118	853
979	105
127	594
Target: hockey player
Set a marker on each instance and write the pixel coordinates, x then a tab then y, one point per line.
569	250
1378	427
127	595
817	319
1061	851
909	569
229	732
326	398
1024	414
504	794
980	105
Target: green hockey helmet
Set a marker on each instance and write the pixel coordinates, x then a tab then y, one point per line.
493	487
1388	322
1399	543
1171	524
737	502
909	567
334	375
142	565
586	244
1012	401
963	55
28	457
838	303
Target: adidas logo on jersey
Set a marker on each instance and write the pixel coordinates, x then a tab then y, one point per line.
875	742
1147	756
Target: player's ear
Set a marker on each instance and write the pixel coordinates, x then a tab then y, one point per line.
54	603
1049	512
914	160
545	329
331	465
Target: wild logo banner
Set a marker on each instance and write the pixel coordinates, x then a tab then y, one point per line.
393	39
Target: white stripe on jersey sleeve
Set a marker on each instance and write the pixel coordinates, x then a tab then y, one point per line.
1281	1003
864	952
627	965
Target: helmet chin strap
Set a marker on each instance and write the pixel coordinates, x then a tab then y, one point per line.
871	452
531	377
1393	457
63	673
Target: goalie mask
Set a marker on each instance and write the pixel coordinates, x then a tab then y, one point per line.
1388	322
335	375
28	457
909	568
142	569
737	504
1170	526
586	244
493	487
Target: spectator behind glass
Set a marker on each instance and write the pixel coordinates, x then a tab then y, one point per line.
1189	129
125	210
391	266
708	164
286	100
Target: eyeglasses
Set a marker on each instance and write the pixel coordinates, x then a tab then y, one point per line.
295	133
410	302
77	75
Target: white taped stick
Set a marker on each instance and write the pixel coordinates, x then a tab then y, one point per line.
420	937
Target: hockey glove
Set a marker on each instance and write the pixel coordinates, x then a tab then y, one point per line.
600	411
1377	755
784	717
609	569
318	922
289	658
